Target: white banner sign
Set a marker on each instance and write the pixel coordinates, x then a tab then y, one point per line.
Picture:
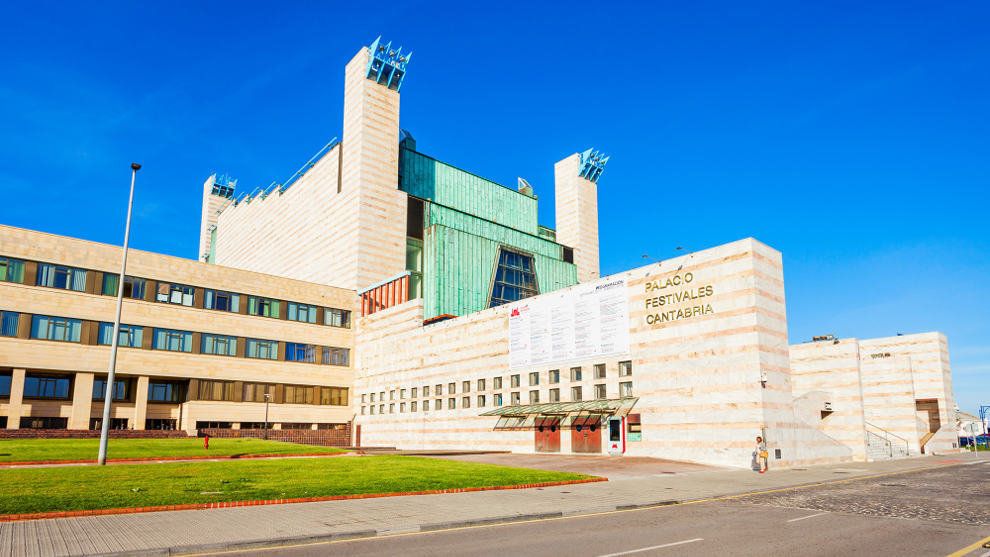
587	321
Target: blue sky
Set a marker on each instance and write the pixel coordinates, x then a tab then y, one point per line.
853	137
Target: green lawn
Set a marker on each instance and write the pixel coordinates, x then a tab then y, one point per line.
27	490
31	450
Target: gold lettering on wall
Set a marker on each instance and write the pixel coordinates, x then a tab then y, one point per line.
672	290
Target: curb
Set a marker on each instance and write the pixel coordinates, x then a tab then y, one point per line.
168	458
361	534
230	504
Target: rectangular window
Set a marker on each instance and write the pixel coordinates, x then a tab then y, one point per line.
481	384
9	321
11	270
58	276
381	408
426	405
121	389
363	410
534	378
46	327
302	312
514	381
466	402
402	407
391	408
219	345
261	349
402	394
515	278
335	356
5	385
48	423
372	397
391	394
133	287
46	386
625	389
496	383
575	374
412	406
439	390
174	341
514	398
221	301
600	392
371	410
414	392
554	395
298	394
497	400
575	394
333	396
163	391
466	387
451	388
534	397
295	352
170	293
554	376
337	317
265	307
364	398
161	424
481	401
130	336
625	369
599	371
451	403
426	390
216	390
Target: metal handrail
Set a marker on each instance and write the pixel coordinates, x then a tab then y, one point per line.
887	435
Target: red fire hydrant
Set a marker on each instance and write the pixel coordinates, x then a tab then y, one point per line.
206	442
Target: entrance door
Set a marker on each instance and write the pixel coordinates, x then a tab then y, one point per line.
586	435
547	435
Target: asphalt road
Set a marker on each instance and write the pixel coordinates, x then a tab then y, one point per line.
930	512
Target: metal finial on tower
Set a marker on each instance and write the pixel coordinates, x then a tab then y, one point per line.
387	65
592	164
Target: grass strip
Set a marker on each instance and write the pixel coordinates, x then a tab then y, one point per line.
34	490
35	450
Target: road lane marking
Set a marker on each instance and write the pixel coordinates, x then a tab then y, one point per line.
599	513
969	548
804	517
652	547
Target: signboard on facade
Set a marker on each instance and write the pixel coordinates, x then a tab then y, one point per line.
583	322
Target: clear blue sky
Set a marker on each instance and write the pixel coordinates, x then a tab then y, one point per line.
853	137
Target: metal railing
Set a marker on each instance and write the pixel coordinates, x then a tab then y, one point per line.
892	442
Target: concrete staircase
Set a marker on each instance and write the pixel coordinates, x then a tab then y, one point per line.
883	445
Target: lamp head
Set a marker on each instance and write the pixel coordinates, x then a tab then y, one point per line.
135	166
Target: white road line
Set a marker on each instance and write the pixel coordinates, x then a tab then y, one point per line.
651	547
804	517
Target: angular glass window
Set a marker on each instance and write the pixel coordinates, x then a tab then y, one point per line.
174	341
302	312
58	276
133	287
261	349
46	327
219	345
296	352
9	321
221	301
179	294
130	336
11	270
515	278
337	317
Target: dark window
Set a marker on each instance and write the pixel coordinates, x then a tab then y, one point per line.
121	390
44	423
213	425
295	352
46	386
115	423
133	287
9	320
297	426
568	254
58	276
255	425
515	278
160	424
221	301
163	391
414	218
5	386
3	422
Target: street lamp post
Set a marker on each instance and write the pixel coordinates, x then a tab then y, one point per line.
108	394
268	399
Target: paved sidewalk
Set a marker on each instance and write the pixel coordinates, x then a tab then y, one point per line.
194	531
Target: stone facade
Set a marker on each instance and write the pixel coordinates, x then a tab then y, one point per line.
577	215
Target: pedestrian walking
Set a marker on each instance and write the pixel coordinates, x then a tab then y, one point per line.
761	453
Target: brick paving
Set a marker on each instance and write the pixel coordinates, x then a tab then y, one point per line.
187	531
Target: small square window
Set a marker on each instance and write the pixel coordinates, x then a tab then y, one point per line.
599	371
534	397
363	395
496	383
414	393
391	408
426	405
554	395
402	407
481	401
534	378
625	369
451	388
600	392
451	403
412	406
497	400
514	381
426	391
553	376
481	384
438	390
576	394
402	393
625	389
466	387
514	400
575	374
466	402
